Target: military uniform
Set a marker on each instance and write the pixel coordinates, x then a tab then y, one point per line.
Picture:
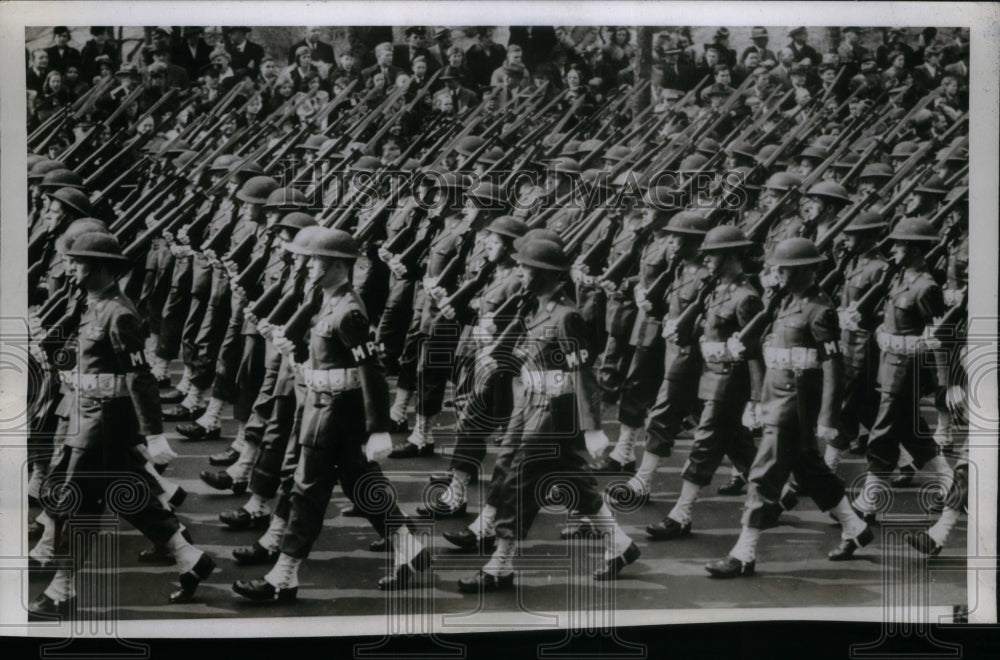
343	377
804	334
860	351
620	316
561	400
725	386
682	366
914	300
398	311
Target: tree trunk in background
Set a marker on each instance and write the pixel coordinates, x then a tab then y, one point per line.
644	67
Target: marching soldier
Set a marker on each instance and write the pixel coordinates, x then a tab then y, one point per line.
562	403
729	386
116	404
487	409
343	376
913	305
863	270
800	403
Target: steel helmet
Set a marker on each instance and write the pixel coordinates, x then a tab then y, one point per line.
333	243
508	225
543	254
97	245
540	233
256	190
725	237
74	199
783	181
866	221
689	223
302	239
286	198
914	229
294	221
830	190
61	179
796	251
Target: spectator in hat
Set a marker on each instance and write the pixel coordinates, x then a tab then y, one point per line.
726	54
748	62
783	69
462	97
193	54
722	78
455	60
850	49
174	76
484	57
223	62
38	70
927	38
800	47
62	54
759	37
318	49
403	55
101	44
442	42
302	68
243	53
105	69
829	86
929	74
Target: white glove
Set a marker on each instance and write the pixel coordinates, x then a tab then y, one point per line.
282	344
384	255
850	318
735	347
826	433
448	312
942	434
669	330
596	441
159	449
751	415
379	446
397	268
639	293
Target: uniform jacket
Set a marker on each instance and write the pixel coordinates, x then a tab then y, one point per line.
339	339
810	322
729	308
555	339
683	360
914	301
111	341
652	262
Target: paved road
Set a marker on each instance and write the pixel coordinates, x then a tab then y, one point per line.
339	578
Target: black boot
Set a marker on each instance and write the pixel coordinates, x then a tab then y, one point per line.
612	567
191	579
261	590
253	555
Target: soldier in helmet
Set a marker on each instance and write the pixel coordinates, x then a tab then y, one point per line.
863	268
823	202
249	239
343	375
800	404
786	225
480	409
64	206
675	399
116	404
873	176
562	407
729	386
913	305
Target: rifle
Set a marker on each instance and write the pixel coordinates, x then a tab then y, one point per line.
126	102
467	291
685	321
616	272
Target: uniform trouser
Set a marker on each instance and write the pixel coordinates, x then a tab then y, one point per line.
156	288
373	284
860	387
396	317
549	452
253	431
614	362
785	451
409	358
899	422
318	471
280	426
720	432
110	472
175	311
508	449
479	414
639	389
247	380
212	332
674	402
289	461
592	302
437	365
